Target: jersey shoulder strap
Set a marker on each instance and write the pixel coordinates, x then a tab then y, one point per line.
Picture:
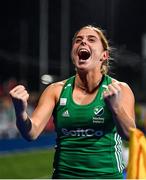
68	86
108	80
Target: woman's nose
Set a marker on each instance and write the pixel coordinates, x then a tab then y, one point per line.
83	41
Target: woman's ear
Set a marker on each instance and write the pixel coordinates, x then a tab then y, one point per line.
105	55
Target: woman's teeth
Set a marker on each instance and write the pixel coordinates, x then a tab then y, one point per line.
84	54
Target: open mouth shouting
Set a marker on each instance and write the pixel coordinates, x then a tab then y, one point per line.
84	54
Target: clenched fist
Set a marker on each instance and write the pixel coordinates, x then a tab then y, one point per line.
20	97
113	94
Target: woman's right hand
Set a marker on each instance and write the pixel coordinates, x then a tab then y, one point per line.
20	97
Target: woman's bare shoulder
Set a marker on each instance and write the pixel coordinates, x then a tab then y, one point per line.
58	85
55	88
53	91
124	86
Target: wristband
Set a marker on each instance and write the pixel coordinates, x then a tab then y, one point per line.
24	127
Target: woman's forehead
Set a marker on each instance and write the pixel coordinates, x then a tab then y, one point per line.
87	31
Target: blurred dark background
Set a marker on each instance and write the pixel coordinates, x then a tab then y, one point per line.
35	38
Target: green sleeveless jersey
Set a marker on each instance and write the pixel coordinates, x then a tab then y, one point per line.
88	145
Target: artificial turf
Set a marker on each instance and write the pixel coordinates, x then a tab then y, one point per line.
33	164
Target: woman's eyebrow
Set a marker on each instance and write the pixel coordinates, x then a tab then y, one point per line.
92	36
80	37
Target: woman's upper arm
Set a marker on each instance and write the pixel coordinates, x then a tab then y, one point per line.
45	107
46	103
128	99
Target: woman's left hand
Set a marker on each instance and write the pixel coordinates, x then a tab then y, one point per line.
113	94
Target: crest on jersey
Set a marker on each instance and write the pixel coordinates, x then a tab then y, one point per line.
98	112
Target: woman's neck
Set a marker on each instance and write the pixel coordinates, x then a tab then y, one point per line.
88	81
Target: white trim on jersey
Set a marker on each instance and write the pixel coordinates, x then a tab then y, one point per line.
118	152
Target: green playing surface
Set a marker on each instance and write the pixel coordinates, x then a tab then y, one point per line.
36	164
